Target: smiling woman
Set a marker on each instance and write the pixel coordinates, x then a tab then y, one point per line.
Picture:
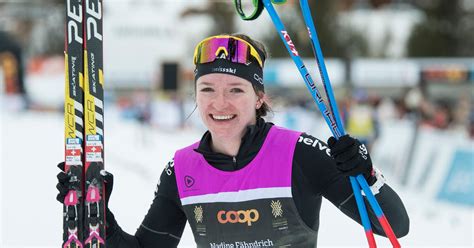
245	51
227	104
248	182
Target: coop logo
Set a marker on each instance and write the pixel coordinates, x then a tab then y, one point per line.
239	216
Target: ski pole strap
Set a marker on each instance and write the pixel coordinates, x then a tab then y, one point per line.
258	8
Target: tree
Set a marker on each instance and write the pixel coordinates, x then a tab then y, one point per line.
446	31
335	40
222	14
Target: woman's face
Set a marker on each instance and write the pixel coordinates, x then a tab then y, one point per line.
227	104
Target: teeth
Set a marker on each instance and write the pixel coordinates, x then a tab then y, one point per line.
222	117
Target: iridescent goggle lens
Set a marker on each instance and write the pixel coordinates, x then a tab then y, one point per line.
229	47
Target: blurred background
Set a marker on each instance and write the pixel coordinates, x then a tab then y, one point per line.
402	71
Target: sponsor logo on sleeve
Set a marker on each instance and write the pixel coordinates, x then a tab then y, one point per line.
316	144
168	167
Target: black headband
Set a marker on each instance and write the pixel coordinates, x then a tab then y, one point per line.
252	72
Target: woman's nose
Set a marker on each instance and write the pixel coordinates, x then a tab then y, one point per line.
220	100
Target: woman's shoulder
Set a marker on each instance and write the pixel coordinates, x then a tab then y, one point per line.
285	131
310	144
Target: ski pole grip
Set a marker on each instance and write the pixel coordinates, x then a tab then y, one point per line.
258	8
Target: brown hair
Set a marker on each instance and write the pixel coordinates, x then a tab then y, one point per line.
265	108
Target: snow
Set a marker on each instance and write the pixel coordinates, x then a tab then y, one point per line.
32	144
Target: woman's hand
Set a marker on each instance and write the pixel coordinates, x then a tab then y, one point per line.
352	157
65	183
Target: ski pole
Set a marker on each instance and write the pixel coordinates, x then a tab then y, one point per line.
333	105
329	118
369	234
333	121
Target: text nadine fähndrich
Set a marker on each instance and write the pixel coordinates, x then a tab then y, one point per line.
243	244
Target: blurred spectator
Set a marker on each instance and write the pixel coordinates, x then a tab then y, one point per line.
12	72
386	109
400	107
461	113
413	102
360	118
471	124
11	64
442	116
141	103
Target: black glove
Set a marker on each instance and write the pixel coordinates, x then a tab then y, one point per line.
352	157
65	184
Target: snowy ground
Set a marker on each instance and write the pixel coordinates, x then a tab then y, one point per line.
32	144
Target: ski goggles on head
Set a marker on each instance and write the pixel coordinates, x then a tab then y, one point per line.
227	47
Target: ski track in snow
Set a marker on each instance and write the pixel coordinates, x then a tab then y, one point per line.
32	144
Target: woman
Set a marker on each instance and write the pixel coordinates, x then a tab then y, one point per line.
247	182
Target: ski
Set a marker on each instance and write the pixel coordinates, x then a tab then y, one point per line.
74	126
94	212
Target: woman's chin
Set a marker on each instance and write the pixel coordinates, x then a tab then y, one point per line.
225	133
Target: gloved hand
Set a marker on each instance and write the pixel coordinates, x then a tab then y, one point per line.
65	184
352	157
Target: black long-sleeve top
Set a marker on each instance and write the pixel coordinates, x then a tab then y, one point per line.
314	175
